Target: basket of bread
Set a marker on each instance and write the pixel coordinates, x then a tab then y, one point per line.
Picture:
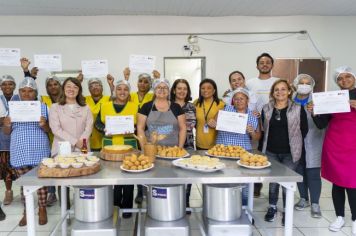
68	166
134	163
200	163
253	161
117	152
226	151
165	152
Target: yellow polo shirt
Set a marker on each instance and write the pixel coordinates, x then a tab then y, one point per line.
206	140
96	137
107	109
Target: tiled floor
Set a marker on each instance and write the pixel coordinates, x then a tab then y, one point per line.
304	224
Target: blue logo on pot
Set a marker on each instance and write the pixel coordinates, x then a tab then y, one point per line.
159	193
86	193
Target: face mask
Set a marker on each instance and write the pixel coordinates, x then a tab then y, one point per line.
304	88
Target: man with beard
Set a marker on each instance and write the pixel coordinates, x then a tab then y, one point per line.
261	86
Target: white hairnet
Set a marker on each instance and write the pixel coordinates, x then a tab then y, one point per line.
95	80
240	90
125	82
55	78
7	78
28	82
303	76
156	82
343	69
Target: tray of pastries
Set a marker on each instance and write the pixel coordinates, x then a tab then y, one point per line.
135	164
200	163
117	152
68	166
226	151
253	161
165	152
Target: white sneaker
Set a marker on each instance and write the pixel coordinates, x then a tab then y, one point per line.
337	224
353	229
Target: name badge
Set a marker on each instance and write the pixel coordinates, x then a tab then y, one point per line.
206	129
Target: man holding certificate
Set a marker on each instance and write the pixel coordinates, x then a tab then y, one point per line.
338	160
117	119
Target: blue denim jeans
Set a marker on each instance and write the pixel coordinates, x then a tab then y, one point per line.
287	160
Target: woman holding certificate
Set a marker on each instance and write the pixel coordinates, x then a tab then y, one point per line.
94	101
8	86
285	125
240	100
29	145
207	107
120	106
339	151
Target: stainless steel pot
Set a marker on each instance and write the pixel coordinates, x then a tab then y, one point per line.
222	202
166	202
93	203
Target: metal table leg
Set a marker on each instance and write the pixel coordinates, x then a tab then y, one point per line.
30	209
64	209
250	199
290	189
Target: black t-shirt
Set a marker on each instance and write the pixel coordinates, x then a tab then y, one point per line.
147	107
278	139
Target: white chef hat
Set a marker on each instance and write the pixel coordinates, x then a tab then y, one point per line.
52	77
7	78
343	69
303	76
28	82
122	81
240	90
95	80
156	82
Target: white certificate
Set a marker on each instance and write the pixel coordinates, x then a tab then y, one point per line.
142	63
119	125
25	111
95	68
50	62
10	57
331	102
232	122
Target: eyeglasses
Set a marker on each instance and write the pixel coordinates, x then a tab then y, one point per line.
162	88
277	115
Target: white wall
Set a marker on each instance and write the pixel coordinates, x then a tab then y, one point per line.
335	37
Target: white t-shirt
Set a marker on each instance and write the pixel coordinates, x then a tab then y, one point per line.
251	101
261	88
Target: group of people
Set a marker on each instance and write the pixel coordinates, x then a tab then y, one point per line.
281	123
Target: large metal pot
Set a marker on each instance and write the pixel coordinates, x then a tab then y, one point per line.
222	202
93	203
166	202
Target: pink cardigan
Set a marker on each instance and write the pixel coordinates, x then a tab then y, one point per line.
70	124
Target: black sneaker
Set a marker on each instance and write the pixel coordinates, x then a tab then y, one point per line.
2	215
271	214
139	199
126	215
283	218
188	211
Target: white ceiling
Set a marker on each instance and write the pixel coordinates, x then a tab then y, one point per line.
209	8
